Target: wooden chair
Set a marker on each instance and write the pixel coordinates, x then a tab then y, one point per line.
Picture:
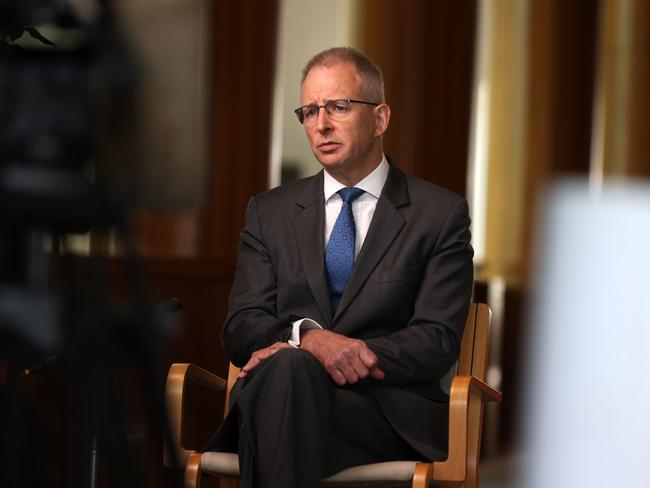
468	392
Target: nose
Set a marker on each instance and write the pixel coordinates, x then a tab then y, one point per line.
323	122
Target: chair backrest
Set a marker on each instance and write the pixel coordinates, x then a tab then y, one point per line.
474	348
472	361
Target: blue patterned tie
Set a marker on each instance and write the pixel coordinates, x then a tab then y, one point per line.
339	256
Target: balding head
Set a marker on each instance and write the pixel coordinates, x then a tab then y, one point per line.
372	77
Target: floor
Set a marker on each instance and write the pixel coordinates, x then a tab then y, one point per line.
497	473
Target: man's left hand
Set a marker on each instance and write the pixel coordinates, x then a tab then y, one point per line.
346	360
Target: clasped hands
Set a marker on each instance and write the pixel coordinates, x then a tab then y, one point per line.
346	360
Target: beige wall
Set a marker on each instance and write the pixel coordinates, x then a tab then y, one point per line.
305	28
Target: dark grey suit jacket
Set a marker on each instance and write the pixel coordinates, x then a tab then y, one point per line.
407	297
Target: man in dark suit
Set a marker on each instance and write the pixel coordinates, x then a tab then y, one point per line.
349	300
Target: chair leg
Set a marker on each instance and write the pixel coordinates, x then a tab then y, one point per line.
193	471
422	475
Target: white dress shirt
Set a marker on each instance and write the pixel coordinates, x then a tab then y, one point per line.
363	209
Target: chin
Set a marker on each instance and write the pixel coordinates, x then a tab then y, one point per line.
334	166
328	160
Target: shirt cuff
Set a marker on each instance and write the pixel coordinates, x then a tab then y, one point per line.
297	326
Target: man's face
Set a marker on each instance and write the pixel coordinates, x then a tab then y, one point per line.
342	146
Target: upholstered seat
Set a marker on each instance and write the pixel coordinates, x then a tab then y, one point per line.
227	464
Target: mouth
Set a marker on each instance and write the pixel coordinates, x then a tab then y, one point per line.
328	146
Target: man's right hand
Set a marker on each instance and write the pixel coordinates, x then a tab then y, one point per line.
260	355
346	360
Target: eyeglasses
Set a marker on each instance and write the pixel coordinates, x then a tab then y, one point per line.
337	109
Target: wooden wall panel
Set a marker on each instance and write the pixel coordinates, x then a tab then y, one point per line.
244	70
622	147
426	50
562	72
639	143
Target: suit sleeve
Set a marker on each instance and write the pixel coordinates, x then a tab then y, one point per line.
252	321
429	344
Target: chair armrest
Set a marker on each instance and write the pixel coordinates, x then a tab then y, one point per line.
454	468
478	387
177	378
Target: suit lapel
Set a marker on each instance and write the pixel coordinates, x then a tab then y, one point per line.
385	227
308	229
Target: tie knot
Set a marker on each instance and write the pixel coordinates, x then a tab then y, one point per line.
350	194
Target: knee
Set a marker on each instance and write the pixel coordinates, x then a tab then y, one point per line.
291	363
293	358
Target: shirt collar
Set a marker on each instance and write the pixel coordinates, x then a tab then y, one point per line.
372	184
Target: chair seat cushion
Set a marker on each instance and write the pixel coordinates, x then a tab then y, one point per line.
227	464
220	463
388	471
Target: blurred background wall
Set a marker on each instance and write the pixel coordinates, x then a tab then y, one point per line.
304	28
491	99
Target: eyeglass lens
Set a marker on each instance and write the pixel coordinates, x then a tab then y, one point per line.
335	108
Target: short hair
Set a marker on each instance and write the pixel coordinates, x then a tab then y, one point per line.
373	79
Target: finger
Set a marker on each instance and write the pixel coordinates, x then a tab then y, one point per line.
360	369
368	357
259	355
242	372
271	350
377	374
252	362
255	359
348	373
265	353
352	361
337	376
347	361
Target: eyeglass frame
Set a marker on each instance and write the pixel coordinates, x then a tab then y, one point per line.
301	117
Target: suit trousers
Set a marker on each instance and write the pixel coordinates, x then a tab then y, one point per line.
292	425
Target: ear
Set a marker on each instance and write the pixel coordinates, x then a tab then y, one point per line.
382	113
